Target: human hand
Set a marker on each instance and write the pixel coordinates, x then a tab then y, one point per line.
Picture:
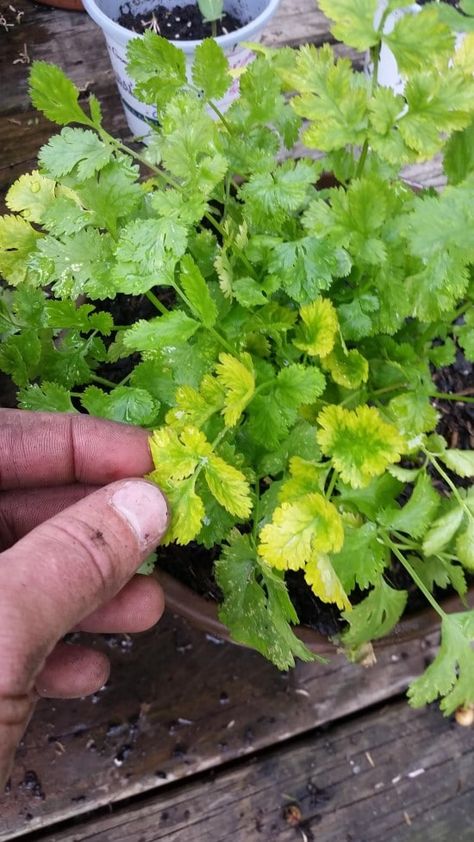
68	550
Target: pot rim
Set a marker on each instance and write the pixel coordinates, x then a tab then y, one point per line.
203	614
123	35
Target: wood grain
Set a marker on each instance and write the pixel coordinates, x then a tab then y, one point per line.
395	774
179	703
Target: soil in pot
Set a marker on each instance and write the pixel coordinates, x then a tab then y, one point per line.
181	23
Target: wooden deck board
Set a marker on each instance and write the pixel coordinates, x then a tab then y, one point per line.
179	703
395	774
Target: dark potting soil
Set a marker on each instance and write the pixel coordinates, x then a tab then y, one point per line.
181	23
454	3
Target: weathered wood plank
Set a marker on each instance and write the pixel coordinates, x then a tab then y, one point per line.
394	774
179	703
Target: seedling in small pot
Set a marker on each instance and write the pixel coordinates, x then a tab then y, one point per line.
212	11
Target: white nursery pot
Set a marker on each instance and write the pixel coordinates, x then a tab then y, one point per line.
255	13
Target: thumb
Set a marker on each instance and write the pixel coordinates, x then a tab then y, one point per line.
58	574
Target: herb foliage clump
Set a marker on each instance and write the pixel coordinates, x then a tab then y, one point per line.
287	371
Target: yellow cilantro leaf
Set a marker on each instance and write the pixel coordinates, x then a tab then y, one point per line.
305	478
352	21
17	241
360	442
31	195
229	486
347	368
464	55
195	407
300	529
324	582
224	273
237	378
187	511
320	325
176	455
420	40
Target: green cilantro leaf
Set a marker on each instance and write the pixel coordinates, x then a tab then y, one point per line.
157	67
197	292
451	673
74	148
442	530
256	606
49	397
20	355
53	94
124	403
375	616
211	70
416	515
361	559
171	329
460	461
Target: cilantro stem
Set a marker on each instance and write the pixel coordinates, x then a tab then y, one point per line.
448	482
452	396
362	159
220	115
414	575
375	55
156	303
125	379
256	511
387	389
403	542
103	381
332	483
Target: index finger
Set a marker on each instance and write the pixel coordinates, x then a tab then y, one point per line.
48	448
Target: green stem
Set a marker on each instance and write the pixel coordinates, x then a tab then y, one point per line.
220	115
448	482
387	389
103	381
452	396
256	511
419	583
332	483
156	303
214	28
407	545
362	159
125	379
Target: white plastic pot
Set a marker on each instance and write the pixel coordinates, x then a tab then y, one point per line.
255	13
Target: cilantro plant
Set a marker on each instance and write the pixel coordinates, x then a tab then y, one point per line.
286	371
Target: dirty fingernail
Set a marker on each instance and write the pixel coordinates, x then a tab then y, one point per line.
145	509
